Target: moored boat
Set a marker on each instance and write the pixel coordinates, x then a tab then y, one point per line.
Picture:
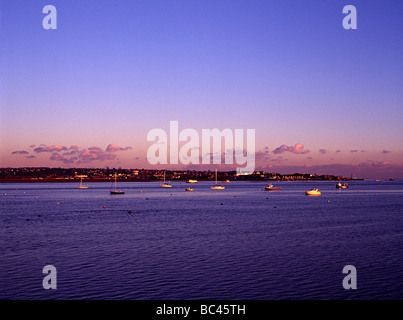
270	187
217	187
165	185
116	191
81	186
342	186
313	192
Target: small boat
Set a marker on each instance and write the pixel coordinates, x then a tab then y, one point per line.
165	185
391	179
116	191
217	187
313	192
189	189
191	181
271	188
81	184
342	186
226	181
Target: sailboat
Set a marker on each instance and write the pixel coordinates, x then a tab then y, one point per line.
81	184
165	185
217	187
116	191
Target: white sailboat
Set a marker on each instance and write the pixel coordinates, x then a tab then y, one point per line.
217	187
165	185
81	183
116	191
313	192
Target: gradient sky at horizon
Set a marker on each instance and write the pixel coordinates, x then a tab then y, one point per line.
114	70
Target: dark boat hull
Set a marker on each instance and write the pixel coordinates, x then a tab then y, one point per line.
272	189
117	192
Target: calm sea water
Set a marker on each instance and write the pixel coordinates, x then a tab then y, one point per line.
239	243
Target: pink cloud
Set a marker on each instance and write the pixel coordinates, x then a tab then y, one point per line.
70	153
114	148
386	151
59	157
70	160
56	157
323	151
54	148
20	152
259	155
297	149
92	153
375	164
279	159
95	154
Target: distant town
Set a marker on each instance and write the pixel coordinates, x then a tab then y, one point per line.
44	174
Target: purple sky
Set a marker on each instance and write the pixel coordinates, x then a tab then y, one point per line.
321	99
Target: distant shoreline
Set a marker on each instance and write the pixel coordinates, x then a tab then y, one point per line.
137	180
75	175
